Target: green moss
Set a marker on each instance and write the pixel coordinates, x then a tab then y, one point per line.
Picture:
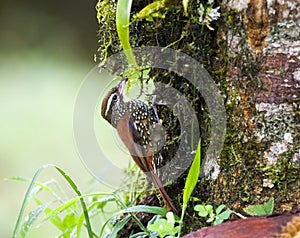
107	35
236	71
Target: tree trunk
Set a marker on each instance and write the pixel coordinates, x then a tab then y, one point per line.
252	51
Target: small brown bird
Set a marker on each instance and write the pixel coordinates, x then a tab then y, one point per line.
137	127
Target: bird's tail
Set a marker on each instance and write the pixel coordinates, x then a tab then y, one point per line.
167	200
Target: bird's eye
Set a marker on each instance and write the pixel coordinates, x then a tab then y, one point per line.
115	97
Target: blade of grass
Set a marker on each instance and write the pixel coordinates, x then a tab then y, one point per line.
122	23
75	188
56	221
81	218
32	217
119	226
143	208
73	201
191	182
60	209
192	177
26	198
51	213
40	186
18	178
138	208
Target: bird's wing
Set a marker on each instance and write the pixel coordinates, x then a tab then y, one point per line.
128	133
140	148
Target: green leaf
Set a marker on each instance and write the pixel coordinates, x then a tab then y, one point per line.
75	188
61	208
261	210
70	220
170	217
185	5
152	10
209	208
47	211
56	221
202	212
139	235
190	182
94	204
192	177
163	228
270	205
119	226
122	23
19	178
139	208
31	218
220	208
222	217
226	214
216	217
144	208
26	198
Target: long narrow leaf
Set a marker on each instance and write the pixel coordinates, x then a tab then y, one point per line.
81	218
56	221
32	217
190	183
26	198
85	212
185	5
122	23
73	201
60	209
192	177
143	208
119	226
19	179
138	208
40	186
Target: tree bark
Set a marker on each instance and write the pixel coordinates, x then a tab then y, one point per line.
253	55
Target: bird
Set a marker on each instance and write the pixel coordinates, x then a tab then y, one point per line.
140	130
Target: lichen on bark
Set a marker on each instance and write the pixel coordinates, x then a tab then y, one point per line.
260	85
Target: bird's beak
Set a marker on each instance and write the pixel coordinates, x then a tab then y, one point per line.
121	85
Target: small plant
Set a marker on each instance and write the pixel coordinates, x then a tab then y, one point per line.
165	227
74	219
207	14
215	217
260	210
153	10
160	227
73	215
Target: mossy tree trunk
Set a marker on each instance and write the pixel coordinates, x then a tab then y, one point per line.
252	51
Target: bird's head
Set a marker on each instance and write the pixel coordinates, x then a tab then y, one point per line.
111	108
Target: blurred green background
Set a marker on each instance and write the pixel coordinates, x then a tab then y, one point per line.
46	50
